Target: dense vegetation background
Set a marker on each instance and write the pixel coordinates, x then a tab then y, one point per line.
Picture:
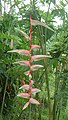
52	80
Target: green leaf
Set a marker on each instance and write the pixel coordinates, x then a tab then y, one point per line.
13	37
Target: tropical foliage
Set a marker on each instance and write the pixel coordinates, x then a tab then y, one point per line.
33	60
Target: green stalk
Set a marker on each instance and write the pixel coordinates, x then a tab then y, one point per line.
46	71
40	111
30	113
48	90
55	95
35	113
4	97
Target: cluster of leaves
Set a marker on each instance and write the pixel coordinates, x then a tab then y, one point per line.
6	67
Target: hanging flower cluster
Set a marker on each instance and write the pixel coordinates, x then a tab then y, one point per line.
28	87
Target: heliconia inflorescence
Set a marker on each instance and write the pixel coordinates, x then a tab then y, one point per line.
28	87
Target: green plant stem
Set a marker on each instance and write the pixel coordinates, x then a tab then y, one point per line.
20	115
30	113
35	113
55	95
4	96
48	90
46	71
39	109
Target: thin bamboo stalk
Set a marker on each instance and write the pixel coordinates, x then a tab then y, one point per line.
4	97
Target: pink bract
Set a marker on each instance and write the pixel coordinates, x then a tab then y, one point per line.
33	101
37	57
26	105
35	67
35	90
35	46
24	62
27	52
24	95
26	87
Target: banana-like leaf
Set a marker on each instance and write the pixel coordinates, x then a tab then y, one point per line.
23	33
33	101
36	22
26	52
